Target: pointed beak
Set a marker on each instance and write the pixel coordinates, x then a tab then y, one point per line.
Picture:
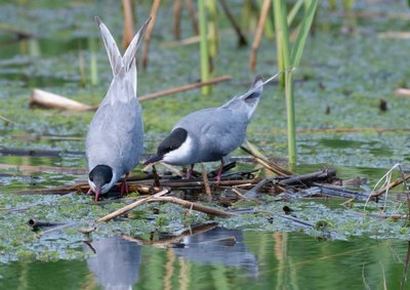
153	159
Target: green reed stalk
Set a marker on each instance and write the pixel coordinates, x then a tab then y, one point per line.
203	46
93	62
212	28
284	63
289	57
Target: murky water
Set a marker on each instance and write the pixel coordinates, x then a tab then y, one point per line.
340	84
256	260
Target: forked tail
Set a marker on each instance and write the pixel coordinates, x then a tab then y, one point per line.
249	101
125	64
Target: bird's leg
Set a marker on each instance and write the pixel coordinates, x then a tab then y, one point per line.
124	185
190	171
90	191
97	195
156	176
219	174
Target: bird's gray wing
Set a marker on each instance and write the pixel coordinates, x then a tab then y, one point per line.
226	130
220	130
115	136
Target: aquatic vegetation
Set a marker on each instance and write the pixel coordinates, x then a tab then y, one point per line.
338	86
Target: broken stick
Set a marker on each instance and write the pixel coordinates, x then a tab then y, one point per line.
131	206
278	170
47	100
43	99
389	186
194	205
184	88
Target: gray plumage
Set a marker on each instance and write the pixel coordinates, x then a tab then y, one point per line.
115	135
116	263
210	248
211	133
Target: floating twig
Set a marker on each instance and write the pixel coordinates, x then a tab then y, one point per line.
391	185
170	241
47	100
58	228
43	99
6	120
144	186
402	92
36	224
185	88
308	178
251	193
394	35
271	166
193	205
335	191
131	206
238	193
297	221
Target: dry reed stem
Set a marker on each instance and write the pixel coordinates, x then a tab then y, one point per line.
131	206
148	33
128	32
45	99
258	34
48	100
278	170
402	92
193	16
389	186
241	36
176	25
193	205
206	181
185	88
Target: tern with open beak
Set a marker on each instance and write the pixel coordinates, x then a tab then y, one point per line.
114	143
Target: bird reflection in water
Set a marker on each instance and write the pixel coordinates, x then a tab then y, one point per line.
116	263
219	246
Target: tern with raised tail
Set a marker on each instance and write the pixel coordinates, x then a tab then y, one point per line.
210	134
114	143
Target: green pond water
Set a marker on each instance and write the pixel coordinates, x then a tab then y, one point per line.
340	83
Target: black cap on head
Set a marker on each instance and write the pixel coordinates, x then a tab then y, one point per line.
100	175
173	141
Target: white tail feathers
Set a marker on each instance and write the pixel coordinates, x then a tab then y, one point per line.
129	54
118	62
111	47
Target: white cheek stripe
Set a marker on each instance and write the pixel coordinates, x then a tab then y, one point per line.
181	154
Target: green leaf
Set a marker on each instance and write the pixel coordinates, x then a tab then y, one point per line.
299	45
